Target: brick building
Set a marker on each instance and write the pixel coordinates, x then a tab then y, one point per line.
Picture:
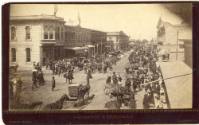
76	41
81	41
98	39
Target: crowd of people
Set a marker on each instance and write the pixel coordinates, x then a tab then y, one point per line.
66	67
37	76
145	73
142	73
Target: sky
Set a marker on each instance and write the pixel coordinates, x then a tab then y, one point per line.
139	21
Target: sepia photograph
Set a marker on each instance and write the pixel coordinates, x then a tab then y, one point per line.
72	57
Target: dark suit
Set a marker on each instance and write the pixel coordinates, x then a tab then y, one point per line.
148	99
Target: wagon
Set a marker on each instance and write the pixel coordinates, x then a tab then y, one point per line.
73	91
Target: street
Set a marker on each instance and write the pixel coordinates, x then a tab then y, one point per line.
46	95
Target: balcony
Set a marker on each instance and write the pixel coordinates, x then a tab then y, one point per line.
48	41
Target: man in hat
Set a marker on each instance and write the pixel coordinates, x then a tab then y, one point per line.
148	101
114	78
34	79
53	83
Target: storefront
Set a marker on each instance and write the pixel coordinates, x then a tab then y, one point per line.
76	52
47	53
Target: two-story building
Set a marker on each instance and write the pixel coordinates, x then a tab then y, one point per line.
83	41
172	37
169	34
118	40
98	40
77	40
37	38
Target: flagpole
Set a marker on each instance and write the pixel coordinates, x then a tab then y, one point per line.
55	9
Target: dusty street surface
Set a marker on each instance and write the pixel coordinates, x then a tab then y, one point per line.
97	83
46	95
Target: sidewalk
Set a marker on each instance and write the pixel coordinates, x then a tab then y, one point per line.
179	89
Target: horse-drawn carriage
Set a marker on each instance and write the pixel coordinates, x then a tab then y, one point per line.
79	93
74	91
121	94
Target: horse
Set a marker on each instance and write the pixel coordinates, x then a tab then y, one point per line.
58	104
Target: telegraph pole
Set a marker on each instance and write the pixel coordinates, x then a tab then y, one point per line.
101	46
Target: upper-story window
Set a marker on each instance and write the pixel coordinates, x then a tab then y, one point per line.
28	37
51	33
69	36
13	33
45	32
57	34
110	38
62	33
48	33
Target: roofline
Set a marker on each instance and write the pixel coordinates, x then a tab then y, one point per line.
92	30
36	17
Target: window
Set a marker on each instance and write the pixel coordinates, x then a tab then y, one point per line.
57	35
51	32
13	55
45	32
45	35
27	28
13	33
62	33
51	35
28	55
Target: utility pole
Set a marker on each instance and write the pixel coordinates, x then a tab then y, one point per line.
94	50
177	46
97	49
101	46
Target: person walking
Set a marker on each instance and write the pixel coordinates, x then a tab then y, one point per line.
70	76
66	76
34	79
114	78
53	83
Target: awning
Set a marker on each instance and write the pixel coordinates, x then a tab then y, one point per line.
77	50
90	46
179	89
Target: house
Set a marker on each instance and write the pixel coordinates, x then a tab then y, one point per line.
172	37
